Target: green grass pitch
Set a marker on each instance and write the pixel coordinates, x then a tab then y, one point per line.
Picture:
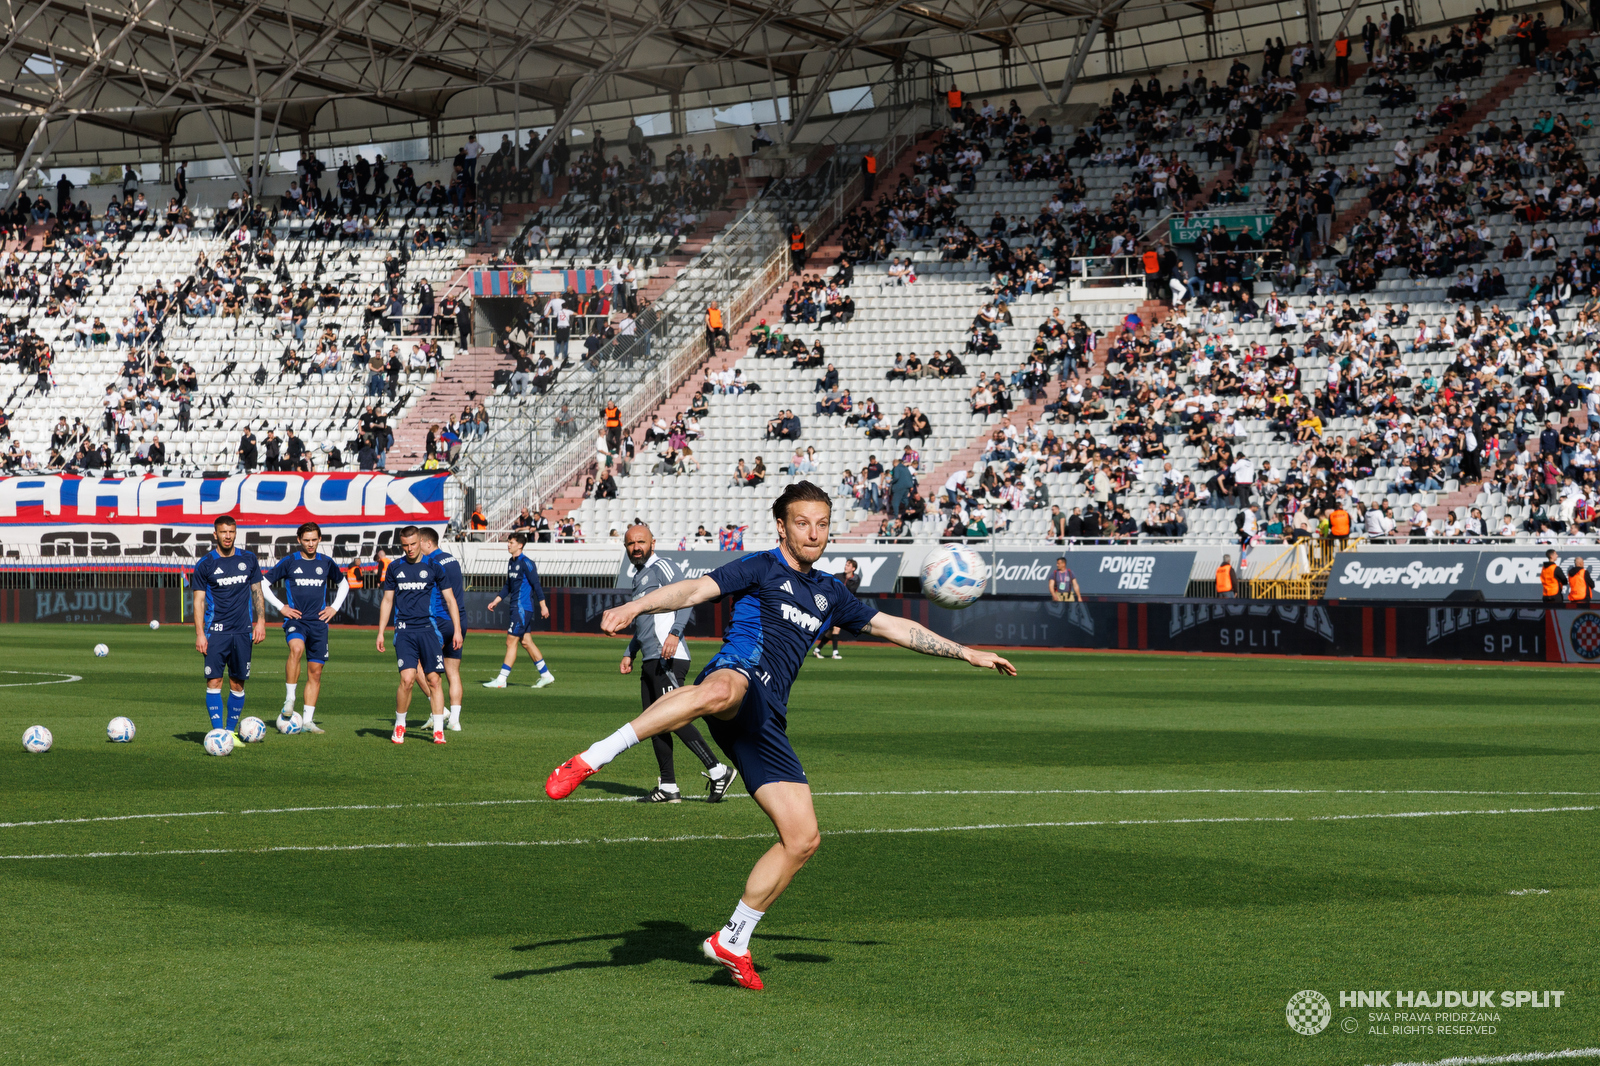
1127	860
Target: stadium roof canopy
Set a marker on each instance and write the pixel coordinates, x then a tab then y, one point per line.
99	81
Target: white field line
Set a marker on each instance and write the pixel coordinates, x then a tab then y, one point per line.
768	835
66	679
1523	1056
916	792
700	799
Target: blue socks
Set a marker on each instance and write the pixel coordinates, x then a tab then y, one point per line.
505	671
235	709
214	707
543	669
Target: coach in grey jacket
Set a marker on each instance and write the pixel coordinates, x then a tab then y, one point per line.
658	640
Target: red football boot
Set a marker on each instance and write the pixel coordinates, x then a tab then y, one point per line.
399	736
438	736
565	779
742	967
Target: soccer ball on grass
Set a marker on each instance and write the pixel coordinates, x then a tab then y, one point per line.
290	725
954	576
101	651
37	739
252	730
120	730
219	742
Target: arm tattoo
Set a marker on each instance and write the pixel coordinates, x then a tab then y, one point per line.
260	601
930	644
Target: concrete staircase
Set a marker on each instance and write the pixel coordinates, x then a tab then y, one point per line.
459	385
825	255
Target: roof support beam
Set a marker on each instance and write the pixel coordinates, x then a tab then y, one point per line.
26	157
841	55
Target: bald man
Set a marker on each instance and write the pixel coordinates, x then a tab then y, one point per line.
658	640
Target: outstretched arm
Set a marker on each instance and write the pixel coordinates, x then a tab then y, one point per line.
909	634
671	597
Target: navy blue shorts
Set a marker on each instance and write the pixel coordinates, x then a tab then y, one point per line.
521	622
313	633
417	647
756	738
230	651
446	632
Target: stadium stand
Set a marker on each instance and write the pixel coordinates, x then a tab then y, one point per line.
1305	406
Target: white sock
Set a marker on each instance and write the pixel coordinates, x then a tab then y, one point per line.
735	936
435	722
666	786
288	699
455	714
399	719
306	713
609	748
541	667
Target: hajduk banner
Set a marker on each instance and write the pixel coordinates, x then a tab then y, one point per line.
151	520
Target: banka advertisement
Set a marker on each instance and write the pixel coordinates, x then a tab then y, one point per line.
154	520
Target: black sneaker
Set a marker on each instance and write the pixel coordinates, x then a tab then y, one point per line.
661	795
719	786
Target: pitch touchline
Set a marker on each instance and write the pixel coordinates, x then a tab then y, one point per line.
1524	1056
768	835
915	792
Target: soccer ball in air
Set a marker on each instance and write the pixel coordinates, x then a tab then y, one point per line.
121	729
252	730
37	739
290	725
954	576
219	742
101	651
154	624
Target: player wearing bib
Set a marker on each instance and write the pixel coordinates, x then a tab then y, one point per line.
521	593
780	604
663	661
407	592
229	618
306	576
441	618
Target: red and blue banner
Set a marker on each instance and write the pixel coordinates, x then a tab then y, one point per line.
522	282
150	520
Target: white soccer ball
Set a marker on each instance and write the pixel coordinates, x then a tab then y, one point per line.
101	651
121	729
954	576
290	725
219	742
252	730
37	739
154	624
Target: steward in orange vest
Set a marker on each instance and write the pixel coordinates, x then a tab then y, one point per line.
1225	578
1551	578
797	248
1579	588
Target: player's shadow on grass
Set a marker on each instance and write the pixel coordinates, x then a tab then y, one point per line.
657	941
615	788
195	737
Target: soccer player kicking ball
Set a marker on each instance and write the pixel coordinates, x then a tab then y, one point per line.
780	604
521	591
306	577
453	580
407	588
229	617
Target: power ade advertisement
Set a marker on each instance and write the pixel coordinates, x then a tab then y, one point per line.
1104	572
1508	575
879	569
156	521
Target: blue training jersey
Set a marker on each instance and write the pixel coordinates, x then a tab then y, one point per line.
778	612
412	585
306	582
450	567
522	589
226	581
